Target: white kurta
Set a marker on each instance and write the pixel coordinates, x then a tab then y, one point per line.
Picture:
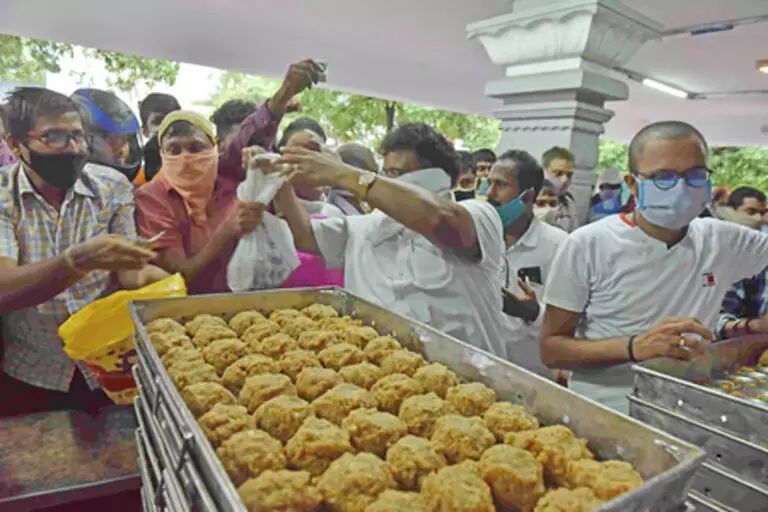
401	270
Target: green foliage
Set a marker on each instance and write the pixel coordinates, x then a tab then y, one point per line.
740	166
351	117
28	60
731	166
125	71
613	155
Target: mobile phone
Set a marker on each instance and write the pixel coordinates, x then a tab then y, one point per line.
533	274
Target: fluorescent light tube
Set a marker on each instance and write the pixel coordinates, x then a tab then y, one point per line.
653	84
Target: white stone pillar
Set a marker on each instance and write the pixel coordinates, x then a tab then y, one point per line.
559	58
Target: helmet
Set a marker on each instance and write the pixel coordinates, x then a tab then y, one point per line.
113	128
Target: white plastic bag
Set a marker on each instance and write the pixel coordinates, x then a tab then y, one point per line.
260	187
265	258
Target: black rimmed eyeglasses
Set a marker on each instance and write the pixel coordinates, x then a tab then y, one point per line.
60	139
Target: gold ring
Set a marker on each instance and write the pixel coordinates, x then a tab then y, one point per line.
682	342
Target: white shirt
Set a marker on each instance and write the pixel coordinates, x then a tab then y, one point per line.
534	250
401	270
321	208
624	283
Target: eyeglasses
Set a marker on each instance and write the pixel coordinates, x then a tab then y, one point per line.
543	203
60	139
664	179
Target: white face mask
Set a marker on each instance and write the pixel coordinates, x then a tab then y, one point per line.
674	208
731	215
542	211
435	180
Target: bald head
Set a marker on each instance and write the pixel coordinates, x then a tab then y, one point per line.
664	131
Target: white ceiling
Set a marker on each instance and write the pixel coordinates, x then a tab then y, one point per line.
416	50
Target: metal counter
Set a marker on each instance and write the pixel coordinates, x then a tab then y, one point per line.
53	458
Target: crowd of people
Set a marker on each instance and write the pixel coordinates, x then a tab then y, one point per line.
489	249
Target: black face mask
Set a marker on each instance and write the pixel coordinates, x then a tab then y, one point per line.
60	170
461	195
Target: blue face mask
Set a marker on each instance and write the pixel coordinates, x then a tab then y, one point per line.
482	190
765	228
674	208
511	211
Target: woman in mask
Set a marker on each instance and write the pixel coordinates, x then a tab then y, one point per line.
607	198
308	134
198	221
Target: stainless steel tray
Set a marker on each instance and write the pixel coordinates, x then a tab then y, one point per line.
152	500
703	504
677	386
722	486
667	464
748	459
173	451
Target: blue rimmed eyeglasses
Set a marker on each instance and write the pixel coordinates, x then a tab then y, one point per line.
665	179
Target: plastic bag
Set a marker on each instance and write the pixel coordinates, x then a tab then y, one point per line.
259	187
265	258
101	336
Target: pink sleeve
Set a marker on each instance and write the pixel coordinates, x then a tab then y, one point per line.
154	214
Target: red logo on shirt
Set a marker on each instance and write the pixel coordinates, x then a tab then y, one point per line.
708	279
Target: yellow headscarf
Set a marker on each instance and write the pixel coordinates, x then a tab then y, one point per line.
193	118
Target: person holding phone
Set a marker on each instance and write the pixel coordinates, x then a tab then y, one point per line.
514	185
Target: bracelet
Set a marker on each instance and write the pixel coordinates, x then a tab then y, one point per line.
630	349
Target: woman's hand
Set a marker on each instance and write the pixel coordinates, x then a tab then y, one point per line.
243	219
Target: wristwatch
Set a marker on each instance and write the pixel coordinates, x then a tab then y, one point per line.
365	181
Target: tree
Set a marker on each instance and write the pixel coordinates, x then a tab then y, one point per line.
28	60
731	166
613	155
352	117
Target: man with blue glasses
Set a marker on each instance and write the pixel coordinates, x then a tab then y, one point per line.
648	284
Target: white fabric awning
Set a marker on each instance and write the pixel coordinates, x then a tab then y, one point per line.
416	50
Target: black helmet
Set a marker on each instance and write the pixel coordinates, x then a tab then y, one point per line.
114	130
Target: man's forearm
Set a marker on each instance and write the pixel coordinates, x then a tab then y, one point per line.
297	218
29	285
441	220
191	267
568	353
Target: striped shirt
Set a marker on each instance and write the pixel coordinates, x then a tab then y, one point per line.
31	230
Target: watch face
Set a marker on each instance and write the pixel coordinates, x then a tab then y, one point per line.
367	178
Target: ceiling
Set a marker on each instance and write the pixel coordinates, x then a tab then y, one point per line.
416	50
